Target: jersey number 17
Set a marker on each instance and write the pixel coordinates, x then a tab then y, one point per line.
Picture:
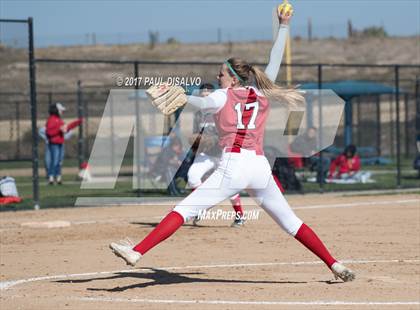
248	106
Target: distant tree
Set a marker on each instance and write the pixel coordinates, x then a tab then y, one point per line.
374	32
153	39
309	29
172	40
350	33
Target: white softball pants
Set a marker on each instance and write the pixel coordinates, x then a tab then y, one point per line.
236	172
202	164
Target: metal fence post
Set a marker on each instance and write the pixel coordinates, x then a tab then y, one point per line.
397	106
406	129
86	127
391	125
417	101
18	129
378	125
32	85
358	116
80	115
138	132
321	156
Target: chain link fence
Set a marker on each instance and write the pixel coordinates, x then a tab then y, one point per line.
382	123
374	115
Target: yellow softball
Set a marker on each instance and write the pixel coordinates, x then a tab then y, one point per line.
285	8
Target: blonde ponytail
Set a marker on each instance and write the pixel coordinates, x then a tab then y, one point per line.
273	91
243	70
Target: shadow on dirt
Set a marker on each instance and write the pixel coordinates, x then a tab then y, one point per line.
163	277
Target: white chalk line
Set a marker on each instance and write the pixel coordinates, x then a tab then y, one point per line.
242	302
348	261
4	285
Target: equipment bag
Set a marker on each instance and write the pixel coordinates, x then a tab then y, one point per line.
8	187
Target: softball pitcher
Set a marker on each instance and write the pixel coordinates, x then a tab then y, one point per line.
240	112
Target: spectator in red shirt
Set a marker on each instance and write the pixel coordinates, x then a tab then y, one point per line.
67	135
348	164
55	130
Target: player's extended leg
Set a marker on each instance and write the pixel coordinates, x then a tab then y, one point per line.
273	202
213	191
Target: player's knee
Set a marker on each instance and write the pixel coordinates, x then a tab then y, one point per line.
187	212
292	226
289	222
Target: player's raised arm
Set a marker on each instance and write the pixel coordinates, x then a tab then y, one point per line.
277	50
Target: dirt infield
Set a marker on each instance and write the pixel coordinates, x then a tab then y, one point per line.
215	266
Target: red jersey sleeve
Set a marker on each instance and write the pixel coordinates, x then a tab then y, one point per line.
74	124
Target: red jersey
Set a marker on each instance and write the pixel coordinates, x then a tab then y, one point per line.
345	165
241	121
53	129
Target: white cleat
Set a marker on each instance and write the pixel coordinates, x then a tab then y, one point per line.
342	272
124	249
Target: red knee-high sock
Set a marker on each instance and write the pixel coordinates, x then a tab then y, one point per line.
163	230
236	204
309	239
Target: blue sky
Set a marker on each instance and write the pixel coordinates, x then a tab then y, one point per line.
68	22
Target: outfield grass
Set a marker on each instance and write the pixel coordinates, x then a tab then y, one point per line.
55	196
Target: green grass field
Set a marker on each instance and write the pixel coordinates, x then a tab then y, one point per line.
54	196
